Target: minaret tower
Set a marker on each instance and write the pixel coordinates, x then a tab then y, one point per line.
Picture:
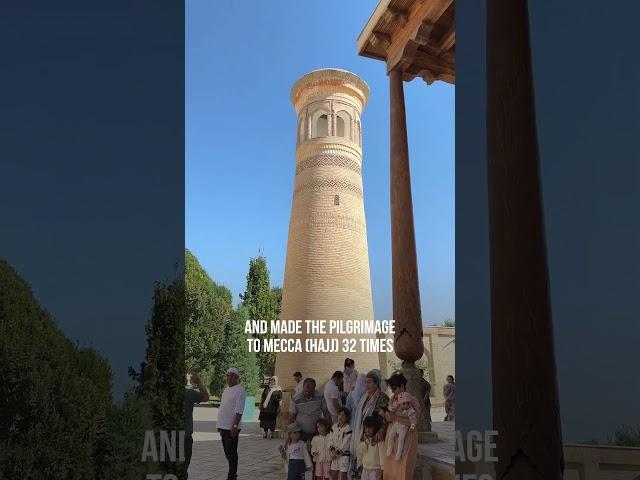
327	268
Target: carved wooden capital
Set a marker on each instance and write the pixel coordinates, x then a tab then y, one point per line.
403	58
395	15
380	39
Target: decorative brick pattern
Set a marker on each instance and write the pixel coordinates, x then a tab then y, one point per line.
330	183
331	79
329	160
329	146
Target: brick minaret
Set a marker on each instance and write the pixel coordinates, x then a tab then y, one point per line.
327	268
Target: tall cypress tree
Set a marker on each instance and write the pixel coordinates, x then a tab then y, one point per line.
235	353
162	374
208	308
262	303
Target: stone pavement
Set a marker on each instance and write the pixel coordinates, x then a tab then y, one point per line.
444	451
260	458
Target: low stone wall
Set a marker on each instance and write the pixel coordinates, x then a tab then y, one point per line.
598	462
439	355
584	462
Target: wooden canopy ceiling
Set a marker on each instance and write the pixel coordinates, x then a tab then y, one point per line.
416	36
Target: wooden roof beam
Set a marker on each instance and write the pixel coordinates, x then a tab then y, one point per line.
393	14
416	32
381	40
448	41
402	55
423	60
425	74
418	40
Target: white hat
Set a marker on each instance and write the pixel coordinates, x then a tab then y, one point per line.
234	371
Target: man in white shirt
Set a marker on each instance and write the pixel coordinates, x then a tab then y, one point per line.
229	416
332	394
297	377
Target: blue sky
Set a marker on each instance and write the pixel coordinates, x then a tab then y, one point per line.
241	61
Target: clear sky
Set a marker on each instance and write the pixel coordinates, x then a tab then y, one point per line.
241	60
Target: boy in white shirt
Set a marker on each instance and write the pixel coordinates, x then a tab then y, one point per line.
339	446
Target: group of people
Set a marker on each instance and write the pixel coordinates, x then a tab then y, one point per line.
353	429
230	413
373	433
359	426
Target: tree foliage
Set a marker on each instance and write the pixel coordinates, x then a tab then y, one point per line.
208	308
235	353
276	294
54	395
162	376
119	449
625	436
262	303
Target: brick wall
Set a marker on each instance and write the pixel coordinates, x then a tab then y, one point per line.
327	267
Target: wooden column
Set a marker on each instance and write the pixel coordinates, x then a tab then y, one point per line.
406	292
525	394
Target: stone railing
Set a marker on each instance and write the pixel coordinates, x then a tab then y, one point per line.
600	462
582	462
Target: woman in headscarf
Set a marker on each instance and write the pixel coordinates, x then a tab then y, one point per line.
354	396
349	377
269	406
401	469
372	402
449	392
383	383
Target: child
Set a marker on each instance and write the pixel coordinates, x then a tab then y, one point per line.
339	446
320	450
404	409
369	450
296	454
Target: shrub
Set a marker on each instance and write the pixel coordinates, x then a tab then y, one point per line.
54	395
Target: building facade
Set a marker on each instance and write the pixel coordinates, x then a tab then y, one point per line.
439	359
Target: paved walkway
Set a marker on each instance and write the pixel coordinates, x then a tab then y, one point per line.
259	458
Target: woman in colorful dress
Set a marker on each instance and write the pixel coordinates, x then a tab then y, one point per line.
402	468
373	402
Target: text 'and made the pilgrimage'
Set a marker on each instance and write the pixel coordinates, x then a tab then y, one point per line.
320	336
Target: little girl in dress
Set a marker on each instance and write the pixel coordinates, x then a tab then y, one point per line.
320	450
370	455
296	455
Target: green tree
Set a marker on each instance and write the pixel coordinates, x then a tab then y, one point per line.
235	353
208	308
276	295
262	303
120	446
449	322
162	375
625	436
54	395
